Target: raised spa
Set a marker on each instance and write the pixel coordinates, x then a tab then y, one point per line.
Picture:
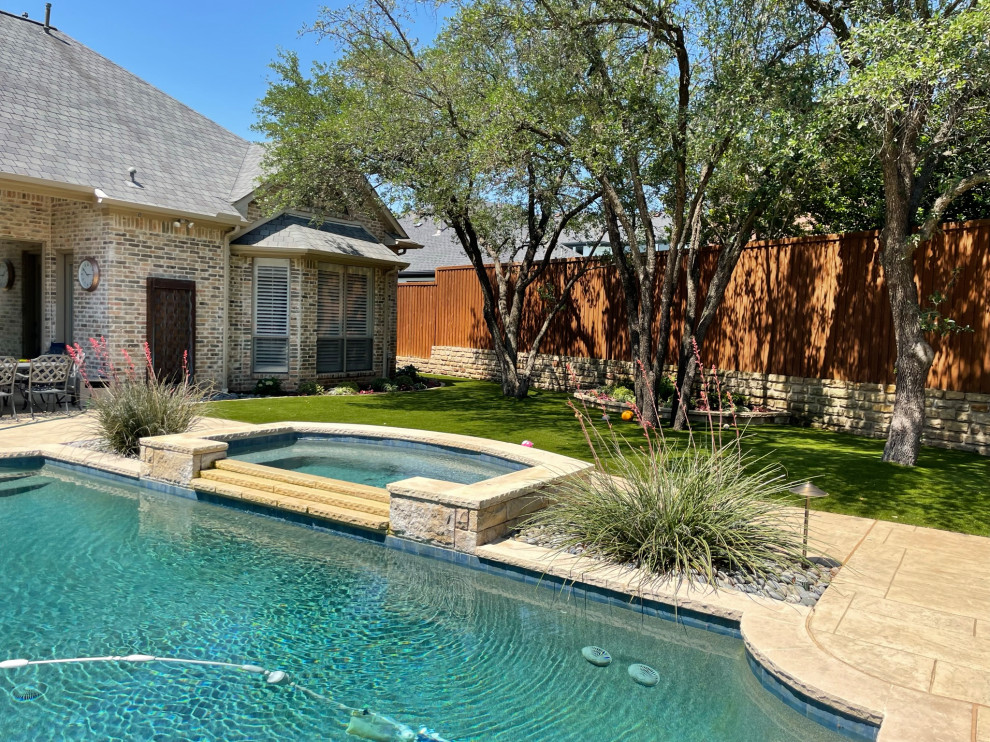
91	568
371	461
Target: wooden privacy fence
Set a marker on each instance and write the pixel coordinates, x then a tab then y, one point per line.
813	307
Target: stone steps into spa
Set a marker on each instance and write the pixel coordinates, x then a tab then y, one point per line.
301	479
327	499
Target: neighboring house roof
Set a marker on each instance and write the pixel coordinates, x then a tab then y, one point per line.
289	233
584	241
442	248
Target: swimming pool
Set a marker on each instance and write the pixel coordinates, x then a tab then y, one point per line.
374	462
90	568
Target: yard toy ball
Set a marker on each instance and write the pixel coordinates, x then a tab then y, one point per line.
628	415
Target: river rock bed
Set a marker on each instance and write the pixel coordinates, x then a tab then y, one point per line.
798	584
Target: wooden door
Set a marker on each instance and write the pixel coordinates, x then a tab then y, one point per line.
171	325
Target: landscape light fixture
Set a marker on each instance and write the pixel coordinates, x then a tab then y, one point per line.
807	490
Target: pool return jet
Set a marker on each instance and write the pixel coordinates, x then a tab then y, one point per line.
361	722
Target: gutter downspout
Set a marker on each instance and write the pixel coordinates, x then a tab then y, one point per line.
231	234
389	327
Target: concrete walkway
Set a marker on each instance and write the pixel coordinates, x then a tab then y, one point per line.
76	426
911	608
902	633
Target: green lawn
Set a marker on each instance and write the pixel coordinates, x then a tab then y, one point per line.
948	489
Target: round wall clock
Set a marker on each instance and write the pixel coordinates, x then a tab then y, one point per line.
6	274
89	274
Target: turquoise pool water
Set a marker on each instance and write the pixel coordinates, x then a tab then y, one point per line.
89	569
376	463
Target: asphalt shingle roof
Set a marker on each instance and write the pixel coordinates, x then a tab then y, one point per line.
69	115
441	247
291	231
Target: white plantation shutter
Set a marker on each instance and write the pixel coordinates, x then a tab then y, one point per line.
343	320
271	315
358	302
329	309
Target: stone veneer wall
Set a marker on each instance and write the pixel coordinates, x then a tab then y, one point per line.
955	420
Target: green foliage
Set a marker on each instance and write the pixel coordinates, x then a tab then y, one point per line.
403	380
675	511
916	85
621	394
344	389
933	320
380	384
948	489
137	404
665	388
309	388
408	370
268	387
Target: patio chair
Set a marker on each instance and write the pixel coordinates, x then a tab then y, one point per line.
8	383
49	378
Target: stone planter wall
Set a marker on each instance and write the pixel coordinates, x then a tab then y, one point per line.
464	517
177	459
955	420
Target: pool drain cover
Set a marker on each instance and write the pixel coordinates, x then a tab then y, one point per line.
28	692
596	656
644	675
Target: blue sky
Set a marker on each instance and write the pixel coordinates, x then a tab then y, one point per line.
212	55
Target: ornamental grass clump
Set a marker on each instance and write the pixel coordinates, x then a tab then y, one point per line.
702	511
134	404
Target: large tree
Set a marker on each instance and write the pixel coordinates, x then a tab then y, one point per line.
428	124
700	110
917	78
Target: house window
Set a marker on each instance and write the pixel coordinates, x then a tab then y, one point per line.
343	320
271	315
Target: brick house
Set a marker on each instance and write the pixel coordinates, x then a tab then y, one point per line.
127	215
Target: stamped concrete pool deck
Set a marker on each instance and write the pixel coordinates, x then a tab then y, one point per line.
902	634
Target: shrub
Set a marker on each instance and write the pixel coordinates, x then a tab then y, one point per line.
420	386
135	404
740	400
309	388
674	511
268	387
403	380
344	390
408	370
622	394
665	388
379	384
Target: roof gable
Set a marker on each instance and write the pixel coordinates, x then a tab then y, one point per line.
71	116
292	232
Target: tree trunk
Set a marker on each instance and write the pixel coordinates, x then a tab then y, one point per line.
687	369
914	354
514	383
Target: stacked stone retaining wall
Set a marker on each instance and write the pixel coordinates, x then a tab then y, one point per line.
957	420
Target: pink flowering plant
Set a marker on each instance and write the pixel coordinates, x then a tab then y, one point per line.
133	402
